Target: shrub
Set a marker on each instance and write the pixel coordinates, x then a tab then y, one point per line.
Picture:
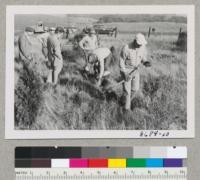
28	96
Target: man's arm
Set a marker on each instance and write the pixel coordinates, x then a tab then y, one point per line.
122	60
144	60
101	68
96	42
57	50
82	43
123	56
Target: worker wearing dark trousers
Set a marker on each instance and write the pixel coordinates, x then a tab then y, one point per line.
54	55
25	45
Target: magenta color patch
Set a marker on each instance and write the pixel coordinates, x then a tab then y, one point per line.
78	163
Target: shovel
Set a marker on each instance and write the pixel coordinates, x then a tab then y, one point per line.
110	88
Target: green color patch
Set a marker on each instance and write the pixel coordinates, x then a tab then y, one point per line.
137	162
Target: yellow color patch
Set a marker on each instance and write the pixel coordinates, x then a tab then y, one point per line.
117	163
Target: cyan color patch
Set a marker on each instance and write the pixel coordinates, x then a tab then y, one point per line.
154	162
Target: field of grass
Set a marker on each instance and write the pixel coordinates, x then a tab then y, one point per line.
76	103
165	28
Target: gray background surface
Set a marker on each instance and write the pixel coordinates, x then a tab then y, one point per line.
7	146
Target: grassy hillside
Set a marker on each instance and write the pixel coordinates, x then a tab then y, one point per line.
76	103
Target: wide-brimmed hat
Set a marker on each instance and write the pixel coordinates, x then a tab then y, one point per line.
39	28
52	29
140	39
29	29
46	28
91	31
59	30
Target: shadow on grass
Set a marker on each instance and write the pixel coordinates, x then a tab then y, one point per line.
82	85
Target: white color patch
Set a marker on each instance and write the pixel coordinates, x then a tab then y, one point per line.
177	152
60	163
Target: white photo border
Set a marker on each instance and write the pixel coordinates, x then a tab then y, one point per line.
11	11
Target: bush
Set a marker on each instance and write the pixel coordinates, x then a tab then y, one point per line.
182	41
28	97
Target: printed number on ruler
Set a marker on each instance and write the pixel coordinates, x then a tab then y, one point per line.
101	174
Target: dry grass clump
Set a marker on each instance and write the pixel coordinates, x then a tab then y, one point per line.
28	96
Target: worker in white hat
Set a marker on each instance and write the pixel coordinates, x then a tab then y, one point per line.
52	30
131	56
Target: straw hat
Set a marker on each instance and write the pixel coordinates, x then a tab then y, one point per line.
140	39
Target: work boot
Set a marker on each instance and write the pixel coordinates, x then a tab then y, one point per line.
126	111
137	100
133	94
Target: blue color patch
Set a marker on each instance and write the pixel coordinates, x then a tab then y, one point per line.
154	162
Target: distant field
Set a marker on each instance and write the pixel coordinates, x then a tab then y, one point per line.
124	27
22	21
76	103
160	27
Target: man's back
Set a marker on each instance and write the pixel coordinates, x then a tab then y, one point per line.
25	47
43	38
101	53
53	46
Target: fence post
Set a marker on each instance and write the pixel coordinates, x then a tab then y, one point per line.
180	30
149	33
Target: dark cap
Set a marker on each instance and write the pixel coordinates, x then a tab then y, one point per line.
59	30
91	31
29	29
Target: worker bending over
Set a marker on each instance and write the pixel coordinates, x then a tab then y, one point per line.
98	63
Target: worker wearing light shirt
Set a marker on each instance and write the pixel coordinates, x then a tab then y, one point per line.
89	42
131	56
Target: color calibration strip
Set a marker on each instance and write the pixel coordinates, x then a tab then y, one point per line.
98	163
99	157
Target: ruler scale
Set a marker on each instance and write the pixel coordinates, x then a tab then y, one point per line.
101	174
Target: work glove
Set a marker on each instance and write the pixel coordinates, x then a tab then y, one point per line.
30	57
126	76
48	64
99	82
147	63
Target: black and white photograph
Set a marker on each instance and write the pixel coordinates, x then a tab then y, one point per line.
99	71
